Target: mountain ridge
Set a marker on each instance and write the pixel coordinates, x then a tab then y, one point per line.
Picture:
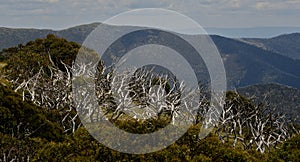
14	36
87	28
245	63
258	63
285	44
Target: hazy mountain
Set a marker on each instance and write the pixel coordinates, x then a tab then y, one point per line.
286	45
283	98
252	32
246	64
12	37
247	61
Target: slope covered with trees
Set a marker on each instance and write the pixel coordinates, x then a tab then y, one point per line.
286	45
46	142
39	121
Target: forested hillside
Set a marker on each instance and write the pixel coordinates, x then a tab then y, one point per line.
31	132
39	121
247	64
286	45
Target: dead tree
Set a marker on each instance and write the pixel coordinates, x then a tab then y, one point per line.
253	125
141	95
51	88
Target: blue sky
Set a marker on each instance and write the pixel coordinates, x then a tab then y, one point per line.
59	14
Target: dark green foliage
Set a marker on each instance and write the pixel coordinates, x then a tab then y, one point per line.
26	60
217	151
289	150
25	148
142	127
82	146
24	127
1	57
23	119
77	147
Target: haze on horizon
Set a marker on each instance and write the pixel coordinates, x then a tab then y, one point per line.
221	14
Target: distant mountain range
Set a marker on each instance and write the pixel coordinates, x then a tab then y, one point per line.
252	32
247	64
286	45
11	37
247	61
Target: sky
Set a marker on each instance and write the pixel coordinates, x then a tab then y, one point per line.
61	14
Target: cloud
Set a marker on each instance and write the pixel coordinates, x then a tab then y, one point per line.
48	1
61	13
278	5
262	5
